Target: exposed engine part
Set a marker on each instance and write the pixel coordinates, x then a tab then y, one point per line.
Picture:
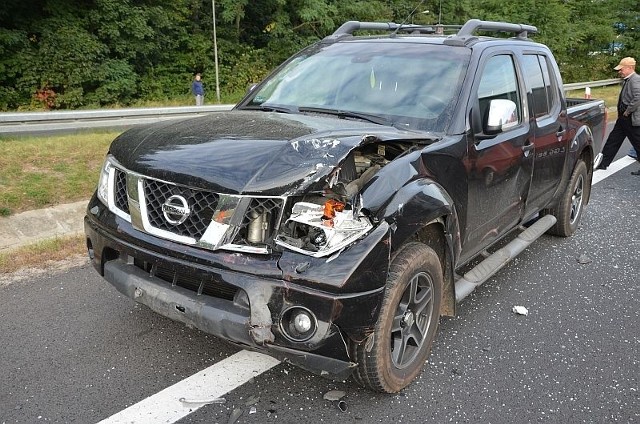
356	185
346	181
324	223
258	226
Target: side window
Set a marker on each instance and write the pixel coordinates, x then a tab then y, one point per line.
542	95
549	83
499	81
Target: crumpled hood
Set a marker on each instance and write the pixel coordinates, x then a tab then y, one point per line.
246	152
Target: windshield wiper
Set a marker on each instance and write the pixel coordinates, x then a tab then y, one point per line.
375	119
270	108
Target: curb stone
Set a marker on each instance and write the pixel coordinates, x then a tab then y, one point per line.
33	226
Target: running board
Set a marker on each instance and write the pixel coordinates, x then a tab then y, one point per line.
492	264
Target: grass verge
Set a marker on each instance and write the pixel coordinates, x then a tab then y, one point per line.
42	254
607	93
38	172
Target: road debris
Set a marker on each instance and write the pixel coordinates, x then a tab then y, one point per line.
334	395
520	310
201	402
584	259
252	400
235	415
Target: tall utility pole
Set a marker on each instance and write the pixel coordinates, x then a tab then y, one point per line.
215	49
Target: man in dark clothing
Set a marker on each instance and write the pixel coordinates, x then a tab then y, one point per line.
198	90
628	122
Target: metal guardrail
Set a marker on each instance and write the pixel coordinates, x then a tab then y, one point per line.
591	84
35	122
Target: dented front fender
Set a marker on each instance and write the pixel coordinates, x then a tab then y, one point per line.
416	205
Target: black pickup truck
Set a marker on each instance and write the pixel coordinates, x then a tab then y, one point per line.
340	208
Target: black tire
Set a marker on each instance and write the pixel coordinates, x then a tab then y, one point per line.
396	352
571	206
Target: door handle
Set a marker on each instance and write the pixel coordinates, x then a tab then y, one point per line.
528	147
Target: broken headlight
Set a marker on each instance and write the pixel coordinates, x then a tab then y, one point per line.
320	230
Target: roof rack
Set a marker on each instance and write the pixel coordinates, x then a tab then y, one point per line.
463	37
349	27
473	25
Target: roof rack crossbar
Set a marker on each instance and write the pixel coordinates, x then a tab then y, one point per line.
350	27
473	25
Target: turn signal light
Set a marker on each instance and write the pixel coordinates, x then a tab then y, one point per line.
331	206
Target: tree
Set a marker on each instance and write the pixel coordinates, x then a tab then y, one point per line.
626	41
78	53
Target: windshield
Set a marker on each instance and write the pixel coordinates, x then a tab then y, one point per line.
407	85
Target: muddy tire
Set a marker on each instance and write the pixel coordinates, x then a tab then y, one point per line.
571	206
395	354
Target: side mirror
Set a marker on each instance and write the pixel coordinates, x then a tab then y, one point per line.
502	115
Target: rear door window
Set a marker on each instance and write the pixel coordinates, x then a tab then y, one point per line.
542	95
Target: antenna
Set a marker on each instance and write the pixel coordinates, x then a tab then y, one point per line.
407	18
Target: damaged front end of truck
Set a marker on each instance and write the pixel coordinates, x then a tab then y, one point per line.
279	248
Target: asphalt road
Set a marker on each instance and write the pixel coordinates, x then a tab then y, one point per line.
74	350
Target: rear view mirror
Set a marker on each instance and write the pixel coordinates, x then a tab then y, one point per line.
502	115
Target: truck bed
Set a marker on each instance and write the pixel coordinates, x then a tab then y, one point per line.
592	113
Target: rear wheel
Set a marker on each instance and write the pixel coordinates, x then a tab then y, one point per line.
396	352
571	207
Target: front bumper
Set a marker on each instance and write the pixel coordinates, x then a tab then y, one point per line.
219	296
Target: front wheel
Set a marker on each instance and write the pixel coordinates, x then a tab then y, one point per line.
571	207
397	350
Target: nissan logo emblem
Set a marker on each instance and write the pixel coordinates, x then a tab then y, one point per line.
176	210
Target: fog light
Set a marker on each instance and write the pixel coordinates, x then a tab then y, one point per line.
298	324
302	322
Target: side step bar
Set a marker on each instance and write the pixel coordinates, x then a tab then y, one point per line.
492	264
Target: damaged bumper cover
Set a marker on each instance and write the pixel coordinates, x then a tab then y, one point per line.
219	318
255	309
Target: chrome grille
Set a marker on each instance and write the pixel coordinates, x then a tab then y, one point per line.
202	205
194	216
120	191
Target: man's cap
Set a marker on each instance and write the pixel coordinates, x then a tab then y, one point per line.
626	61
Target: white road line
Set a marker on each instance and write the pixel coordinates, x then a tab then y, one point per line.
183	398
612	169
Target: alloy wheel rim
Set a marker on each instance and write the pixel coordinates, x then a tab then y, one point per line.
576	200
411	321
